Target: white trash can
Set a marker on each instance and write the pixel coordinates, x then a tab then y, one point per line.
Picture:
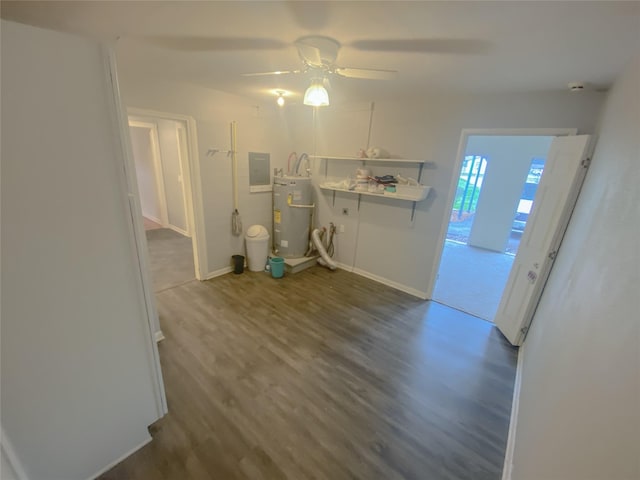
257	239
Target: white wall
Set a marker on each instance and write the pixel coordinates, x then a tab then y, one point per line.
379	239
172	173
145	173
6	470
578	414
77	377
508	163
258	130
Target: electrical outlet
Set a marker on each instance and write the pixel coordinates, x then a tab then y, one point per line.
345	211
341	229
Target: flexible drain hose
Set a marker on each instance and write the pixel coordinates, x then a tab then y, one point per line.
295	157
325	260
296	167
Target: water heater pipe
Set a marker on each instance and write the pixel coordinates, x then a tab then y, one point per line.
325	260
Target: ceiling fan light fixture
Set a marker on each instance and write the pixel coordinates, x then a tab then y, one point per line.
316	95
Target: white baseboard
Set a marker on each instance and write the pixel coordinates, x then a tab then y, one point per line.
10	454
348	268
344	266
159	336
513	422
179	230
217	273
115	462
384	281
152	218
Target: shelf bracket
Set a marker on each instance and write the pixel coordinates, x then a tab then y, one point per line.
413	211
334	199
420	172
359	197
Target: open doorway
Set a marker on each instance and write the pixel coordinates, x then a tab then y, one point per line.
497	179
161	159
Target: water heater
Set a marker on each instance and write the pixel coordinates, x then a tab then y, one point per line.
292	210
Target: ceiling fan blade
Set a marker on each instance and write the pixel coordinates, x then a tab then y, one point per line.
424	45
277	72
188	43
367	73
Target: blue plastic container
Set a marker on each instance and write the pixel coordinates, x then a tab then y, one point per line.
277	267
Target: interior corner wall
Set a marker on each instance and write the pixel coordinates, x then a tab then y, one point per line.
77	371
379	239
172	173
578	416
145	173
259	129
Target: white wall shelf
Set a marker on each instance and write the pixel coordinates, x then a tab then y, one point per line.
412	198
393	196
359	159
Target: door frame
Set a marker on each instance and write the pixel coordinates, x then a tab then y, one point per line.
462	146
158	174
137	236
185	176
190	182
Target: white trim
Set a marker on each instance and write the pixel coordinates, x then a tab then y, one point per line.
198	238
384	281
159	336
218	273
153	219
137	234
185	181
462	146
344	266
178	230
260	188
10	453
120	459
513	422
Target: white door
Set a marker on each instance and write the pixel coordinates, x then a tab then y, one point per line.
555	198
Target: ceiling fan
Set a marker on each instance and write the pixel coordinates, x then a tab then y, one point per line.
319	54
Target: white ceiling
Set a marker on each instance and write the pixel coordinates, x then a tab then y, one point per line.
511	46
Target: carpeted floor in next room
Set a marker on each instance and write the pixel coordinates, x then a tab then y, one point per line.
472	279
170	258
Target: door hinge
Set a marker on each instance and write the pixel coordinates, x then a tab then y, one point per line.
586	162
553	254
523	332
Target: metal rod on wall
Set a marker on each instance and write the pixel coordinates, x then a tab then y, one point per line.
236	222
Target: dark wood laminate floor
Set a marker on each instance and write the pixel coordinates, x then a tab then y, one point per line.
324	375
